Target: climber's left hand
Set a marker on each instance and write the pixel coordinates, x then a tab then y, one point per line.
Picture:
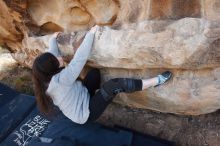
94	29
56	34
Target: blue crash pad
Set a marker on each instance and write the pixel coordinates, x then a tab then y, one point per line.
21	124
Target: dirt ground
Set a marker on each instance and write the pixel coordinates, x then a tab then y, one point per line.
203	130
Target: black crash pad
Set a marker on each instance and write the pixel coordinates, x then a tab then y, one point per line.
21	124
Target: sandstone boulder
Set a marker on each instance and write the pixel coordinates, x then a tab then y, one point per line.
190	92
211	9
138	39
188	43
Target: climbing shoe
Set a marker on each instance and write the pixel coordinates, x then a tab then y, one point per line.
162	78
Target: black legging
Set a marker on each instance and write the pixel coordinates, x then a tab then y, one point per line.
103	97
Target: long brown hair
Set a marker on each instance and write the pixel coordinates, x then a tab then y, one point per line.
44	67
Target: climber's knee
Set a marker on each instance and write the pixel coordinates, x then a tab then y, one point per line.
110	88
126	84
118	85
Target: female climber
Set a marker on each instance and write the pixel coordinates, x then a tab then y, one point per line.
85	100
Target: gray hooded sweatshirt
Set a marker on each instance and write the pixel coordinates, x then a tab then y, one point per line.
67	93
